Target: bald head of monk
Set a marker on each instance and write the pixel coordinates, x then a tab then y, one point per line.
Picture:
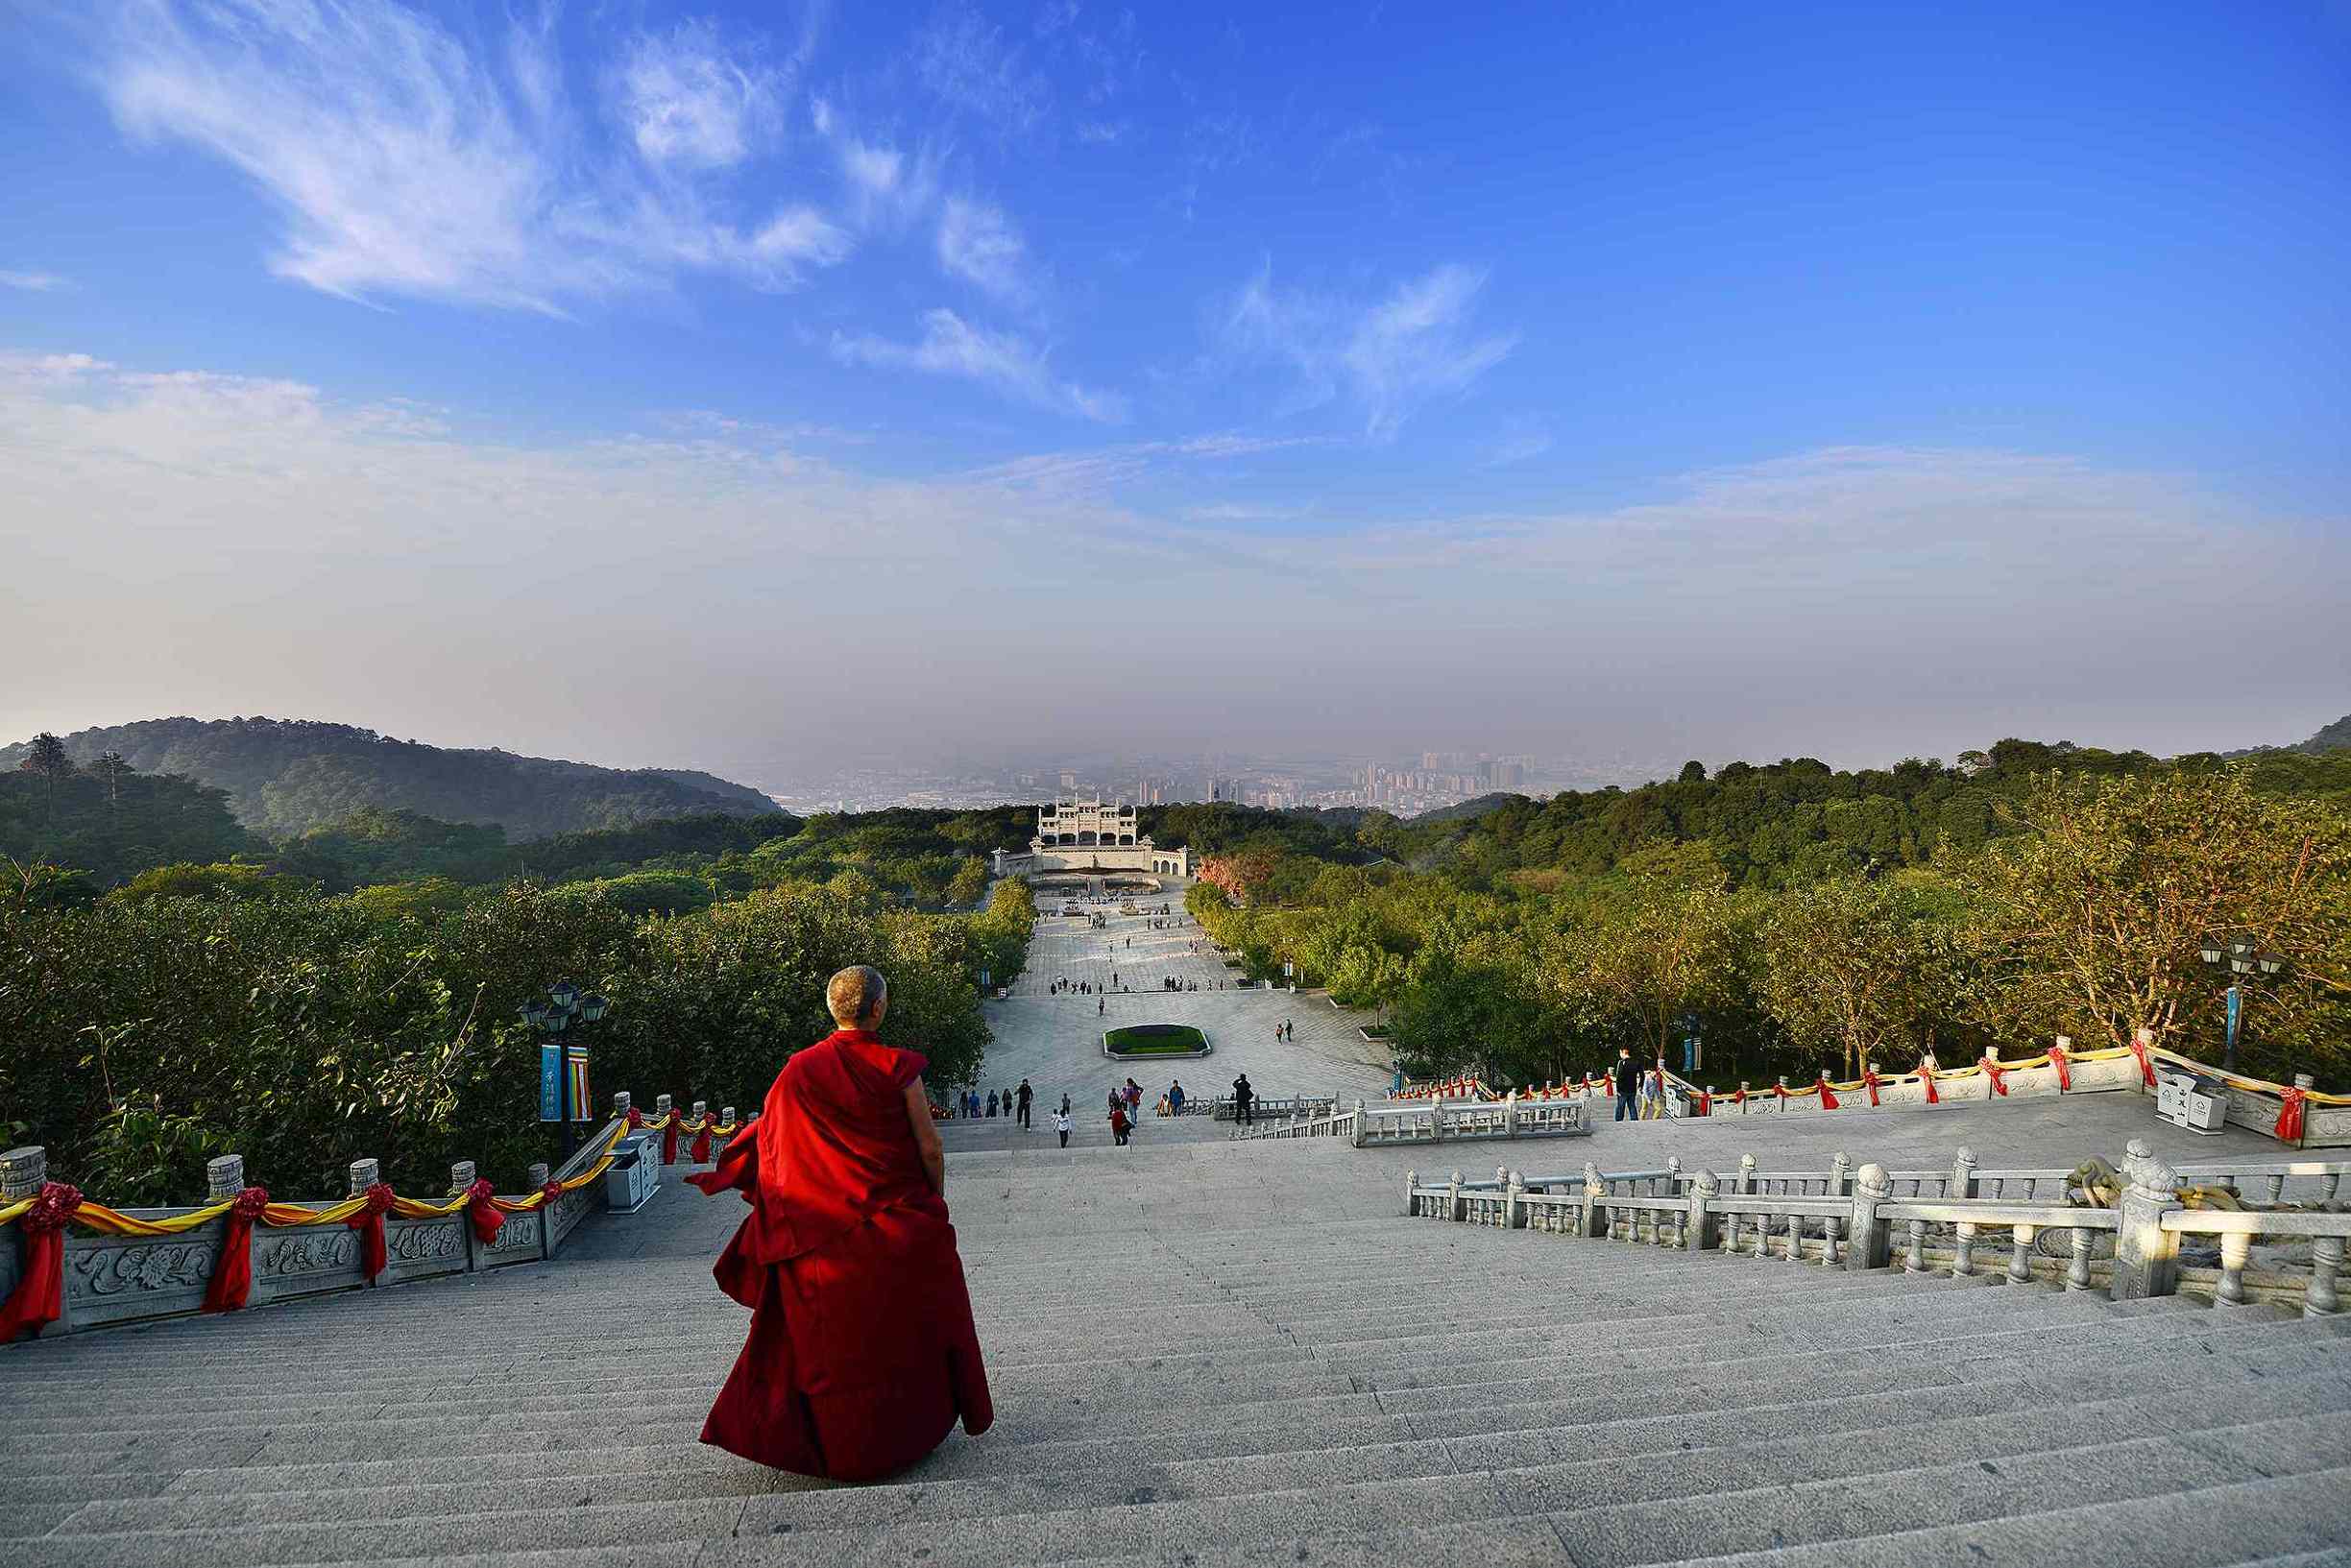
857	997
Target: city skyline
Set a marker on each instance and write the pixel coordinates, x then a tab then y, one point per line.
746	387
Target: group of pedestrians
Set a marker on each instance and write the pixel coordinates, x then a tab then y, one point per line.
1284	1031
1011	1102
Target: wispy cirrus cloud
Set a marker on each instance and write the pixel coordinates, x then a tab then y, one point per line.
1388	358
31	282
687	99
978	244
967	62
410	159
1007	361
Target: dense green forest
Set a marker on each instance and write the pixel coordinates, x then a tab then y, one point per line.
172	983
1797	919
283	776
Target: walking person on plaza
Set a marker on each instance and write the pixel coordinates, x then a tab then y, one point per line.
1176	1095
991	1102
1027	1095
1065	1102
1628	1076
1134	1100
1062	1122
1120	1126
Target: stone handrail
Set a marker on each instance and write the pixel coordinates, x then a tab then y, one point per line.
1855	1228
1271	1106
114	1279
1335	1124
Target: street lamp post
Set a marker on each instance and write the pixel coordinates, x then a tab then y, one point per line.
2245	958
558	1017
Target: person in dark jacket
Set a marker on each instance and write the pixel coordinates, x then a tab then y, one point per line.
1627	1075
1027	1096
1244	1097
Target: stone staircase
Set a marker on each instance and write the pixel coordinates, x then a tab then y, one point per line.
1210	1354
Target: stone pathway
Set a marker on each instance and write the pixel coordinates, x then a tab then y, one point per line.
1055	1041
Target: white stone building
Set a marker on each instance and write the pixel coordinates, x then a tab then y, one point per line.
1086	836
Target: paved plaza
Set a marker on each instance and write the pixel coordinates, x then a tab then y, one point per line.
1055	1041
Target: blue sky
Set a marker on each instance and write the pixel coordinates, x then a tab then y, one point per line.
1722	378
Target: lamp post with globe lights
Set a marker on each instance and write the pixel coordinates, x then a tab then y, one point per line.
2245	957
559	1019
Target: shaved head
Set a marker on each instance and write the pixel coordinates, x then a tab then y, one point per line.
855	994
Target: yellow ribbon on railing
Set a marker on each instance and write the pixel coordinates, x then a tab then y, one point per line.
14	1209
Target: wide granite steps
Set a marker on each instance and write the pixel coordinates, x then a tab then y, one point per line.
1212	1378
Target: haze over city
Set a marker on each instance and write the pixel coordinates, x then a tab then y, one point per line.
759	388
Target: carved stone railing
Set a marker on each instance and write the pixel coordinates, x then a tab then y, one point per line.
1307	1123
1274	1107
1862	1222
111	1279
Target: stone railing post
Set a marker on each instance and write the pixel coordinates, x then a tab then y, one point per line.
1360	1119
726	1118
620	1105
1783	1101
536	1176
1746	1176
1588	1214
1704	1224
1673	1175
364	1175
2323	1297
224	1177
461	1176
1455	1209
2146	1256
1869	1241
2146	1042
1436	1114
661	1107
1744	1097
1509	1114
1963	1174
1412	1179
1840	1174
22	1172
1513	1188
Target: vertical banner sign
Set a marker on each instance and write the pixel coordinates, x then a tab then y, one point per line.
577	1099
2236	1011
1689	1056
551	1081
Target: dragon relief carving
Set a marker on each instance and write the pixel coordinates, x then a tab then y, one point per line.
98	1271
280	1256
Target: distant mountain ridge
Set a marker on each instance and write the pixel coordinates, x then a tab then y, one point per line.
284	777
2335	736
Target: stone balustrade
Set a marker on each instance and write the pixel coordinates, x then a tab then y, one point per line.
2019	1224
114	1279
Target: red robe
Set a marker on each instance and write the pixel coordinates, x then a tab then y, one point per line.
862	1352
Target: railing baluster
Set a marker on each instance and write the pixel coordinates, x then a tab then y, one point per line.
1795	1252
2236	1248
2326	1261
1828	1242
1914	1261
1963	1267
2277	1188
2020	1255
2077	1272
1730	1234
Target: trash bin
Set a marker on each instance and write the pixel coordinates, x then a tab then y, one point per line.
633	1174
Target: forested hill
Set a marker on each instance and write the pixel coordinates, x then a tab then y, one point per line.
283	776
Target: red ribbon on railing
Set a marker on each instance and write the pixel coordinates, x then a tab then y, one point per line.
231	1286
486	1217
1926	1077
1706	1104
39	1296
1869	1081
2146	1067
2065	1072
369	1222
1587	1083
2289	1115
1740	1096
635	1118
700	1154
548	1193
1992	1069
1829	1100
669	1132
1780	1089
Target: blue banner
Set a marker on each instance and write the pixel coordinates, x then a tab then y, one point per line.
551	1081
2236	1011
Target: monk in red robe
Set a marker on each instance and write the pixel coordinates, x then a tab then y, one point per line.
862	1352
